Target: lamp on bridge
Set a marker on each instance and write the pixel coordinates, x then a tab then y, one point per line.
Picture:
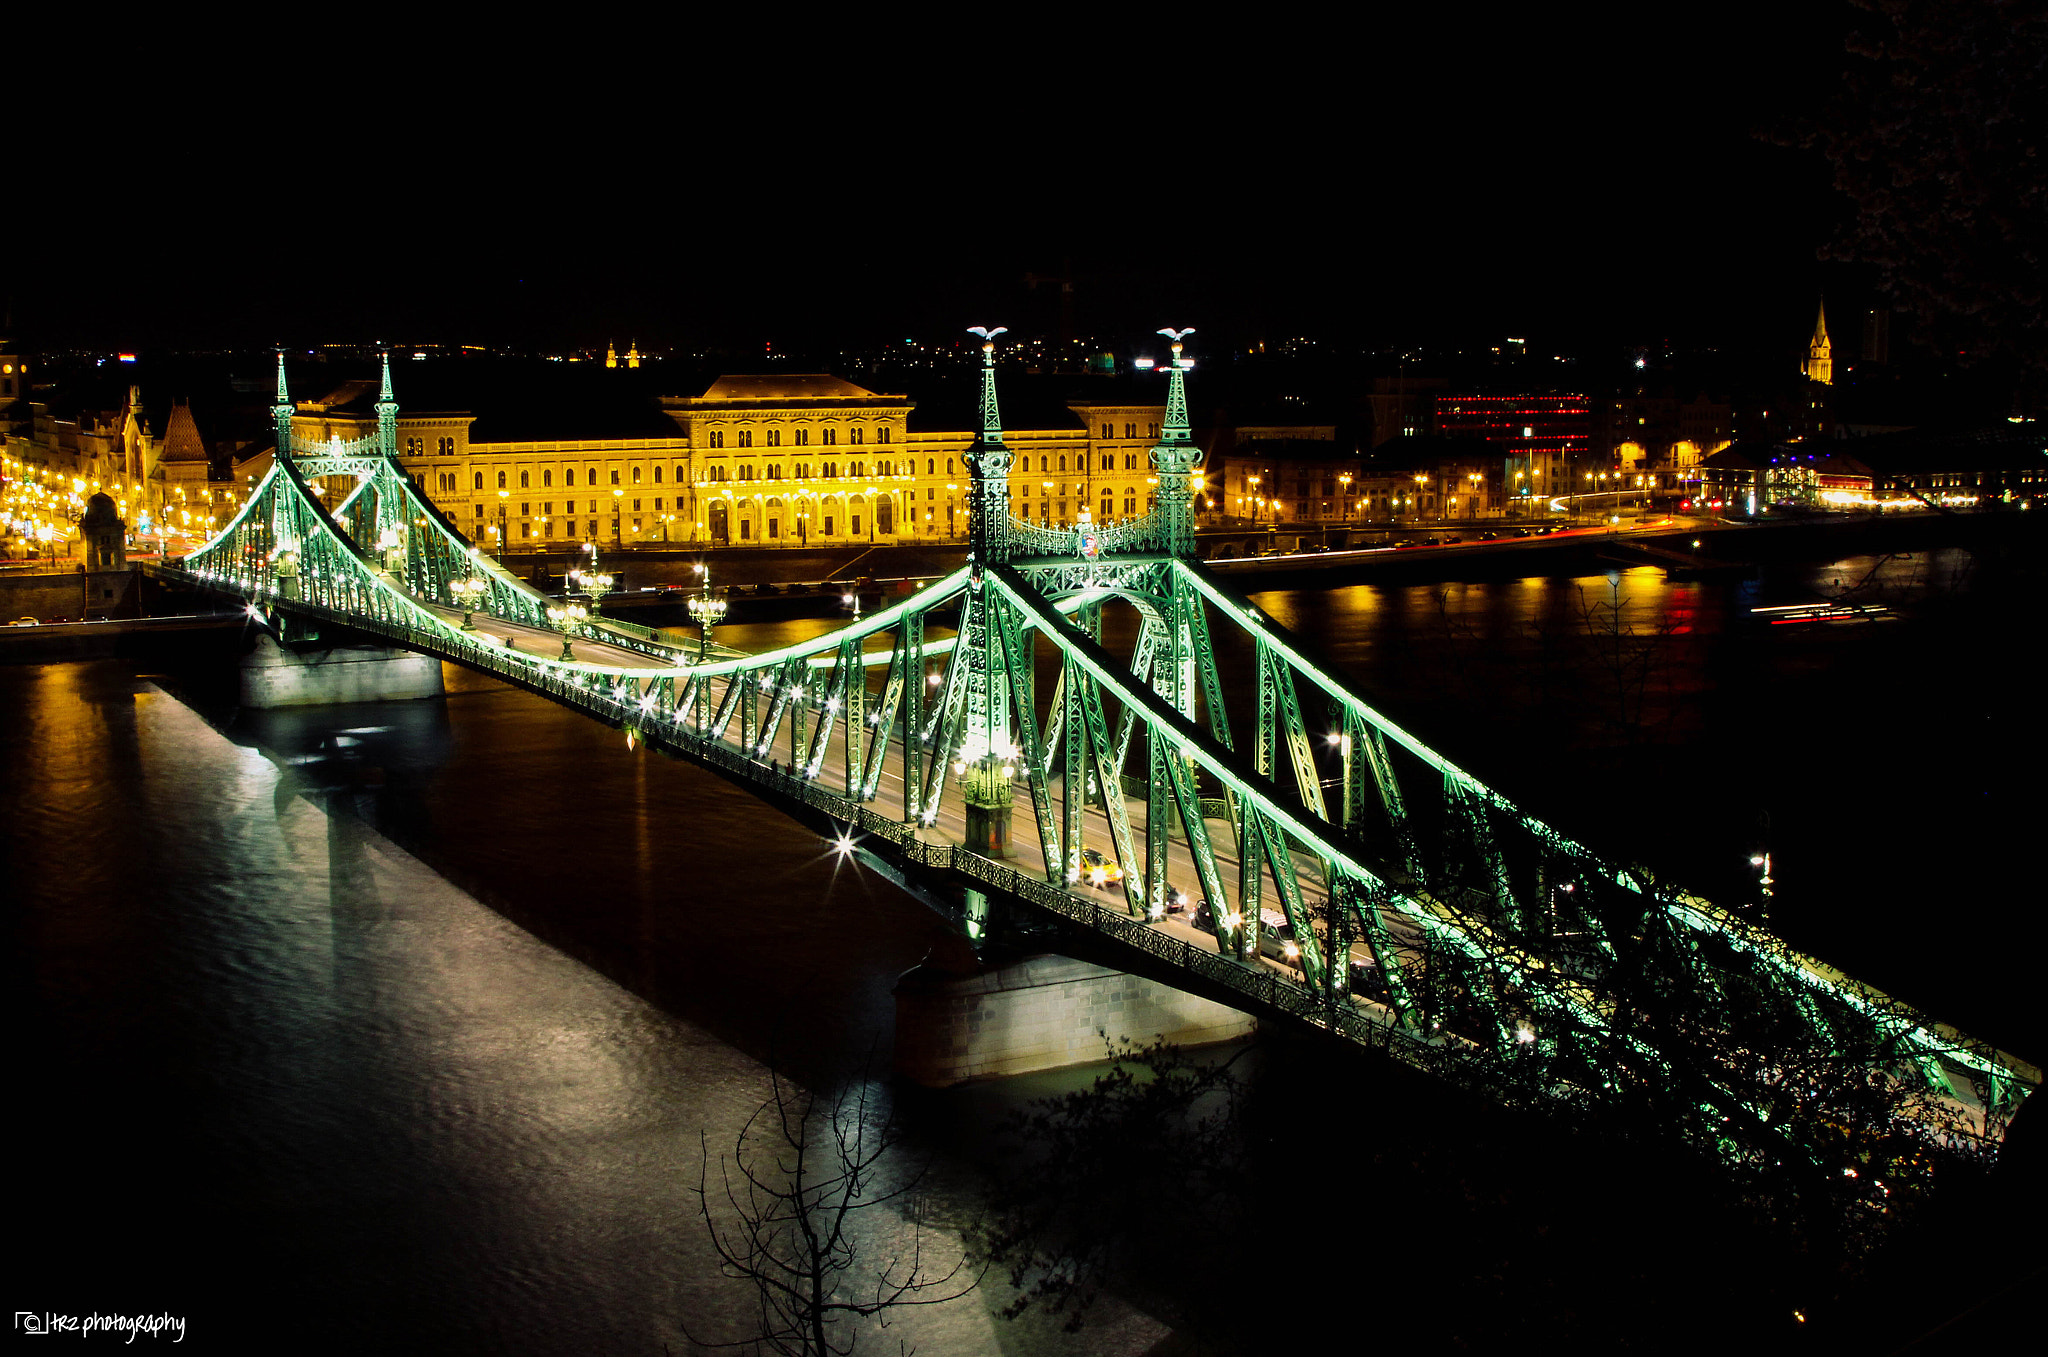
568	617
469	592
591	581
709	609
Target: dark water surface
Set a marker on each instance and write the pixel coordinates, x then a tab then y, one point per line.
401	1031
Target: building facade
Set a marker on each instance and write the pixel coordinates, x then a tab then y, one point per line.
1540	444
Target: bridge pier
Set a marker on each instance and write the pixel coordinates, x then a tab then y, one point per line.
1041	1013
274	676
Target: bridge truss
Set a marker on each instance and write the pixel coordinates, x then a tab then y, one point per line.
1350	876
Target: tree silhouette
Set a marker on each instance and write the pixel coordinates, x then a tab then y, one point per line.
801	1173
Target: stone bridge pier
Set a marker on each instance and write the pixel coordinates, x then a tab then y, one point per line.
275	675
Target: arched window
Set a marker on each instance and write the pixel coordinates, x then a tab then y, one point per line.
930	467
829	437
1109	431
479	481
1063	463
615	475
547	478
525	480
1108	462
885	514
569	475
881	435
657	475
857	436
746	438
1045	464
501	480
636	475
949	466
803	438
717	438
775	438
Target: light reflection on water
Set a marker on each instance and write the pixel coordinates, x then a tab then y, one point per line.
285	1034
390	1112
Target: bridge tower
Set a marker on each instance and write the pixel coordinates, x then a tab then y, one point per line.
387	414
281	413
1175	459
986	763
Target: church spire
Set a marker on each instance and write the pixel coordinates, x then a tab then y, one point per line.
1820	364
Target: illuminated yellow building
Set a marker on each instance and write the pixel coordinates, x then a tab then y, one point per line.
757	460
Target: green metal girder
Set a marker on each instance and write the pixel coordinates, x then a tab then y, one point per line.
884	723
1109	778
1272	846
1018	656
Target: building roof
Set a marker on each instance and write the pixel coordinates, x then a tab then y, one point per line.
181	442
788	386
1824	457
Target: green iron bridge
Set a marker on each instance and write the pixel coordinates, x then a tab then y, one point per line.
1353	880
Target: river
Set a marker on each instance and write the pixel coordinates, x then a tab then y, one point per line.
398	1025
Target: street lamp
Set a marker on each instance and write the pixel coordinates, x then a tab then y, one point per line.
708	609
590	581
568	617
469	592
1344	482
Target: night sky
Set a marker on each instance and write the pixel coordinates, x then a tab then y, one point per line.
1581	183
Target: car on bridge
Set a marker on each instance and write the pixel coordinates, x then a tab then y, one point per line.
1098	870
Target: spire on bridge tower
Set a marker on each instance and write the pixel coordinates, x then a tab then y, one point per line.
984	754
988	464
1176	457
282	412
387	414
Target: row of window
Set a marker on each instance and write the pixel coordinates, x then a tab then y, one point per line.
800	438
547	477
569	507
1130	431
773	471
717	471
443	447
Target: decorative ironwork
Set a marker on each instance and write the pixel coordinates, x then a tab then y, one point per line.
1455	954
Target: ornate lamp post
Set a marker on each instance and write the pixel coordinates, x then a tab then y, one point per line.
469	592
708	609
591	582
568	617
